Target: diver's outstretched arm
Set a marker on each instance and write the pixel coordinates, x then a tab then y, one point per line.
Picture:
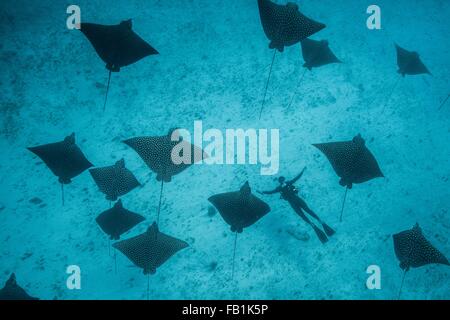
276	190
297	177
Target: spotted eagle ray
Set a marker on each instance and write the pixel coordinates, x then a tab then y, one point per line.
315	54
239	209
64	158
413	250
284	25
352	161
150	249
409	63
12	291
117	45
116	221
156	151
114	181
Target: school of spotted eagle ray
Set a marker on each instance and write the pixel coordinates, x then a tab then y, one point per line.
284	25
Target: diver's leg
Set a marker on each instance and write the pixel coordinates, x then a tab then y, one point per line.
303	216
328	230
322	237
309	211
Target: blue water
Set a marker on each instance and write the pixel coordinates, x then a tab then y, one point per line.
212	66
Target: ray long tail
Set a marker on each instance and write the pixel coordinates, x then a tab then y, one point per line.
444	102
234	255
115	261
62	193
107	90
148	286
296	88
401	285
390	95
343	204
267	84
160	199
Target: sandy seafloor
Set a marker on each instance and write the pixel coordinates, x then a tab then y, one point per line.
212	67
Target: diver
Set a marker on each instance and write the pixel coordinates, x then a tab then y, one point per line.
290	193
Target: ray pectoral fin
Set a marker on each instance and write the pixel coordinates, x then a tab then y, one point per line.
292	6
151	50
127	24
12	291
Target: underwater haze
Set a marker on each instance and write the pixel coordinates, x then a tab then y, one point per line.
213	65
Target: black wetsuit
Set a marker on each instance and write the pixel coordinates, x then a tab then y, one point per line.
290	193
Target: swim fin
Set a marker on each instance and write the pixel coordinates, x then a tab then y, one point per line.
328	230
322	237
